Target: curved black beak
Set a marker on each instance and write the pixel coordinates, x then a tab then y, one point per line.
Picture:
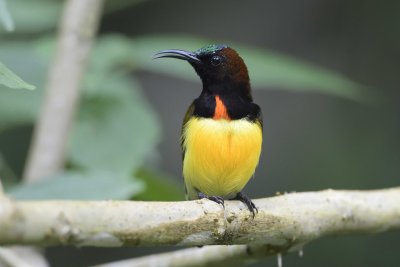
179	54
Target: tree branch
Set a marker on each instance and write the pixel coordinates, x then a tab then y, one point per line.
46	156
218	256
77	31
283	223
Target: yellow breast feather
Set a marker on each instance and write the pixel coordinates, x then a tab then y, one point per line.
220	155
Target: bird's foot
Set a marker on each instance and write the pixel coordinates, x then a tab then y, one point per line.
250	205
216	199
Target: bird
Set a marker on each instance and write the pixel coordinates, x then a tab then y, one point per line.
221	135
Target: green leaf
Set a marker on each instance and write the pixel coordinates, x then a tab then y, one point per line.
159	186
116	128
35	16
18	107
267	69
11	80
21	106
5	16
272	69
95	185
111	53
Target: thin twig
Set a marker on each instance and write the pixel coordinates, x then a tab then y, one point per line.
77	30
21	256
46	157
210	256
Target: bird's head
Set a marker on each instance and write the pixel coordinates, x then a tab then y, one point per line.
220	68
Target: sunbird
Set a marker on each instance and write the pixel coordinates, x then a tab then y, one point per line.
221	133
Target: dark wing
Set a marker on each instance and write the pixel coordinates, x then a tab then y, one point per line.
259	119
256	115
188	115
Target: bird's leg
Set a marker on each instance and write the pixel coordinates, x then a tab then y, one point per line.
216	199
250	205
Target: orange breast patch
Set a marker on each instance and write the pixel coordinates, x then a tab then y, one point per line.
220	111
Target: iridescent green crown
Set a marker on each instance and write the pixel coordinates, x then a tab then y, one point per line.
210	49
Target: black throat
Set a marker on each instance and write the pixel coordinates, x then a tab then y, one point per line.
238	106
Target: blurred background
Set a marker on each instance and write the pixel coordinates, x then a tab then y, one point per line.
325	73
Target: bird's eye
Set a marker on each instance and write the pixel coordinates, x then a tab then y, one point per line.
216	60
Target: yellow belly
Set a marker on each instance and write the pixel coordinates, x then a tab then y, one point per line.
221	155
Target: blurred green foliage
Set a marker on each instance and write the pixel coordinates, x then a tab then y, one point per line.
11	80
33	17
91	185
266	68
159	186
5	16
313	141
116	131
19	107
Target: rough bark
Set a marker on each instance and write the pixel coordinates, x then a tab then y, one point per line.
283	223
